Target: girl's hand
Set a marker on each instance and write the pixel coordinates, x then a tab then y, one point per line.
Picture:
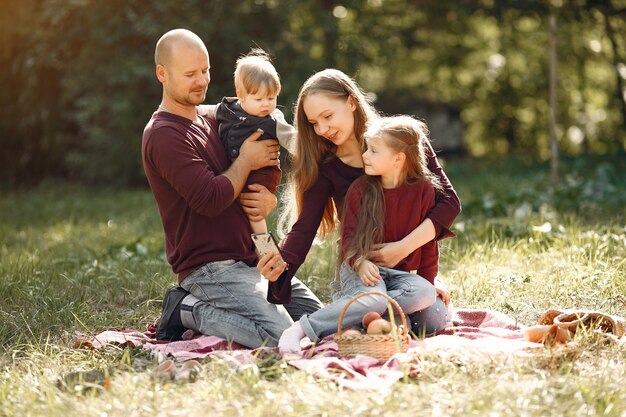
257	204
442	291
389	254
368	272
271	266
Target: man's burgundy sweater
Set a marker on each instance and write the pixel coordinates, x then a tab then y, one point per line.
183	161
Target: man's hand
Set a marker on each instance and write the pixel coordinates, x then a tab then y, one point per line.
389	254
259	153
271	266
259	203
368	272
253	155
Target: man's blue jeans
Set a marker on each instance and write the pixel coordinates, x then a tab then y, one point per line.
233	304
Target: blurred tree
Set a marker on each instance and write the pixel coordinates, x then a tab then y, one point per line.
610	16
79	85
554	146
33	129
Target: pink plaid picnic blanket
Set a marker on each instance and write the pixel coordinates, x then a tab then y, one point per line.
483	332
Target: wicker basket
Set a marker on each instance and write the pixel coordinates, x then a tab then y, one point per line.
379	346
573	319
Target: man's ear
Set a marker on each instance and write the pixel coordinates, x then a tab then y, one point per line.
160	73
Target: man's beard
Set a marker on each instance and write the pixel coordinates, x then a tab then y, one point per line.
195	98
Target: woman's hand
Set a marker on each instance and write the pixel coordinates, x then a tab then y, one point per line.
368	272
389	254
257	204
271	266
442	290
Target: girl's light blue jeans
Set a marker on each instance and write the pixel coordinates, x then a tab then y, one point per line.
233	304
431	319
412	292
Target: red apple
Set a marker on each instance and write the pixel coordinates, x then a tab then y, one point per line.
369	317
379	326
348	332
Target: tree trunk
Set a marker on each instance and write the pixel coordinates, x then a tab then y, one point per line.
621	91
554	147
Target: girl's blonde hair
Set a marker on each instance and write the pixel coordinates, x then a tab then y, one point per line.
311	149
401	134
255	73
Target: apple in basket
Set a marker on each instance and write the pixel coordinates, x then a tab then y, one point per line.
379	326
351	332
369	317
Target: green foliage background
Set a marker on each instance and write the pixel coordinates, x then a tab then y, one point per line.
77	81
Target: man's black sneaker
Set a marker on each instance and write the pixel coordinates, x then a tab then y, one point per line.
170	324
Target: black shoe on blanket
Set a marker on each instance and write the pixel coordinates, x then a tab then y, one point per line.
176	315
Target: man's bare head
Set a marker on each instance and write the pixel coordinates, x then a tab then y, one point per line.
173	38
182	67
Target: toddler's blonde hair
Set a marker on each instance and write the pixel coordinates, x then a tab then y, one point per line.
255	73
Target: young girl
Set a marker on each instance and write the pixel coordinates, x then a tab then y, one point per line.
385	205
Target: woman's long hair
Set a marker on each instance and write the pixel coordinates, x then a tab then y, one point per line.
401	134
310	149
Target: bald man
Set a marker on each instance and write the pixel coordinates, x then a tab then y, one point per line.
207	235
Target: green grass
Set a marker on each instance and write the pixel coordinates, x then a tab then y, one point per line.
76	260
